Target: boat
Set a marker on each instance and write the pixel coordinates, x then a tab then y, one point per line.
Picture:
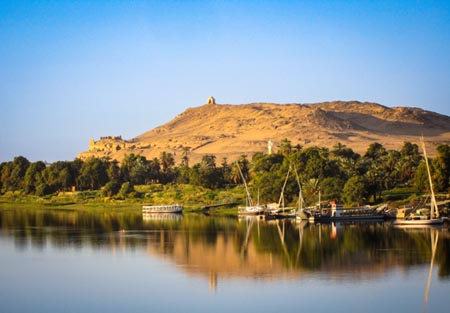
338	213
300	213
158	209
276	208
249	208
420	218
403	212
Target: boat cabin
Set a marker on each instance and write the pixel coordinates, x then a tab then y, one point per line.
337	209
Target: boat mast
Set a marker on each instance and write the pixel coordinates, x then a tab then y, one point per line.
249	198
434	209
320	206
282	189
300	195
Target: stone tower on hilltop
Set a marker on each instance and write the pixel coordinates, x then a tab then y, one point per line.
211	100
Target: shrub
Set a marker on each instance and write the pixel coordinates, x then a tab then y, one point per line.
43	189
111	189
125	190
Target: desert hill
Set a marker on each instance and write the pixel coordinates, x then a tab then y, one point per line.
232	130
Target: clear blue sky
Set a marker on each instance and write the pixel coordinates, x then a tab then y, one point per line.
75	70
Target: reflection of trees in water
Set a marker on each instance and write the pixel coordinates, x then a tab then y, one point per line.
298	247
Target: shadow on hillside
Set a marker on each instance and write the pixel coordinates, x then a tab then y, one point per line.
401	128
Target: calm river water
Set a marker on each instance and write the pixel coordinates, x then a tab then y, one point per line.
70	261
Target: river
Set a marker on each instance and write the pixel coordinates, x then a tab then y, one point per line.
60	260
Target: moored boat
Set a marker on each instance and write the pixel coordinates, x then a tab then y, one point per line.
419	220
171	208
249	208
338	213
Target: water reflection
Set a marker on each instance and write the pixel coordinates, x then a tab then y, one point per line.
227	247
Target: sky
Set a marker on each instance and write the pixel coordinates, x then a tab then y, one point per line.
75	70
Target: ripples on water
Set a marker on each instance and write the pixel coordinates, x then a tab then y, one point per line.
72	261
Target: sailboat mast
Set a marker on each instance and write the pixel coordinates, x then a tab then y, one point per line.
284	186
249	198
434	209
320	206
300	196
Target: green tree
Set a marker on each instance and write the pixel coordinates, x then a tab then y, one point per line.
315	162
75	169
194	175
421	178
154	167
206	173
167	161
185	156
311	190
13	174
355	191
244	165
331	188
373	163
346	159
285	147
125	190
113	172
6	176
226	171
43	189
138	170
443	168
269	172
267	162
391	169
111	188
375	151
61	175
93	174
408	163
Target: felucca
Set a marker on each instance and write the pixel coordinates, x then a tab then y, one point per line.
249	208
416	220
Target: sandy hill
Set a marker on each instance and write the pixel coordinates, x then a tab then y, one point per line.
232	130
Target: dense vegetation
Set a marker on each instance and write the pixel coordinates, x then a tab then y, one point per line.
339	173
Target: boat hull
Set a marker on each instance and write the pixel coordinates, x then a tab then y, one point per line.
251	210
348	218
424	222
161	209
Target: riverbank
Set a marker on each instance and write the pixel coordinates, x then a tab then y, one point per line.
194	199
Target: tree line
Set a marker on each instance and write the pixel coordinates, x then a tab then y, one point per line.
338	173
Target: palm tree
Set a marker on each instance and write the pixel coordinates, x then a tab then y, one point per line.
167	161
185	156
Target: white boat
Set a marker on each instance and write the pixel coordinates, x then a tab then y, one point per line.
171	208
249	208
421	219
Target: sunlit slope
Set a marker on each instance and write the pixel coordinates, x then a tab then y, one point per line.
232	130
